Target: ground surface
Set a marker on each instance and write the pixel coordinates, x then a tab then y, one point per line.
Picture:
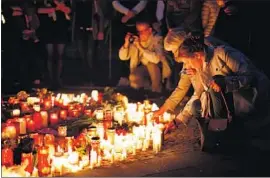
181	155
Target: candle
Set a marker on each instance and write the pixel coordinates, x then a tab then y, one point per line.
95	152
108	115
49	139
47	104
79	107
9	131
100	130
94	95
63	114
30	125
44	116
88	112
38	139
43	164
22	122
24	106
15	112
91	131
51	149
99	113
69	144
62	131
58	161
73	158
7	157
74	113
36	107
38	120
81	140
53	118
111	135
29	158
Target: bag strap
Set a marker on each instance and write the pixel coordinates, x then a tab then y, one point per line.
229	115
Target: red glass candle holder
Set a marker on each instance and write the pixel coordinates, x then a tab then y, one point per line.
38	120
49	139
30	125
47	104
38	139
53	118
7	157
74	113
44	117
63	114
24	107
43	163
29	157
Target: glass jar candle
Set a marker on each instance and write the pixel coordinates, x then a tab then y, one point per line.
44	117
28	157
63	114
7	157
62	130
43	163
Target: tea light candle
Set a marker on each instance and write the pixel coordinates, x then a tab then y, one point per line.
53	118
94	95
62	131
63	114
22	122
15	112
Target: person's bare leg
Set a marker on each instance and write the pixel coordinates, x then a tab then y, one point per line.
49	48
60	53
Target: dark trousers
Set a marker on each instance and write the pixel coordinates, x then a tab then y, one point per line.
119	31
87	51
217	105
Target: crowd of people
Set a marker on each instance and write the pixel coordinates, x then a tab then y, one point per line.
209	37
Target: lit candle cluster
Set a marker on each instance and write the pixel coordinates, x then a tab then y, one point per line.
60	154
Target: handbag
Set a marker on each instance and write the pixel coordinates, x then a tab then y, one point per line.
217	125
214	130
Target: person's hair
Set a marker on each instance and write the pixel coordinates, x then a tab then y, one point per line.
144	20
193	43
174	38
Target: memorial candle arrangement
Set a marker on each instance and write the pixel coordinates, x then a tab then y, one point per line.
102	140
